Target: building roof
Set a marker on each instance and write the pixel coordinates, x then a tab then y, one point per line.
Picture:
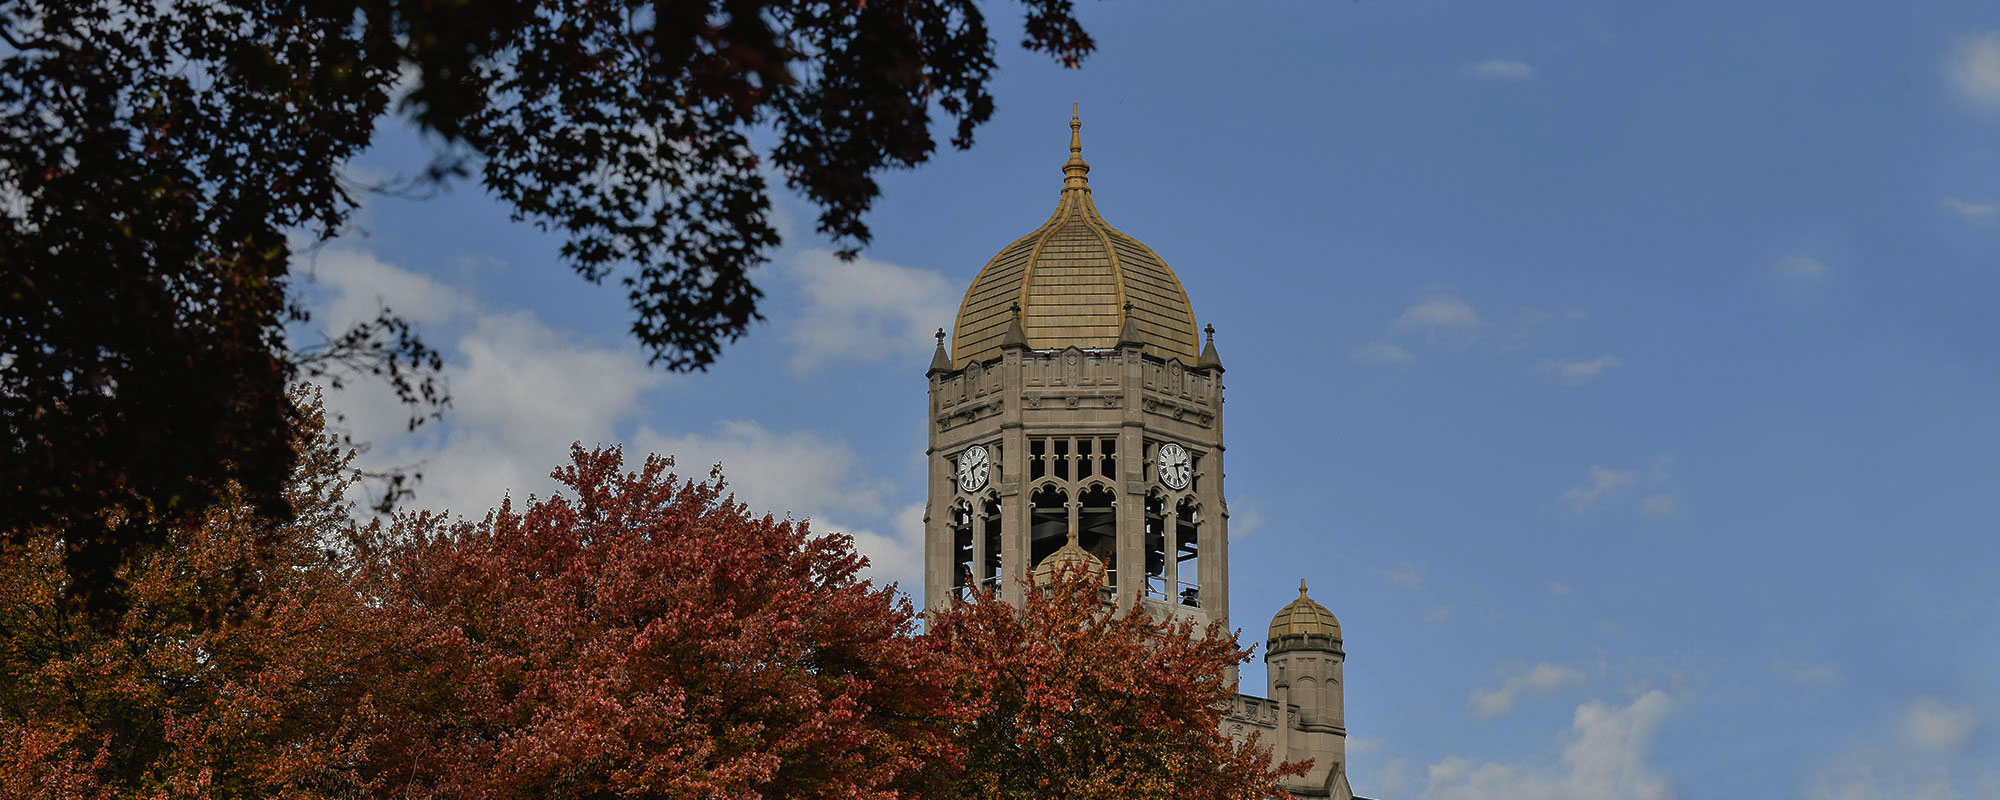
1076	281
1304	618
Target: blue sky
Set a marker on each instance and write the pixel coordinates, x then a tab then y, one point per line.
1646	353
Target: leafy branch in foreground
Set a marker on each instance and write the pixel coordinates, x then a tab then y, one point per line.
161	161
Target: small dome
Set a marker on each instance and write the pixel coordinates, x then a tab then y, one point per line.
1304	618
1076	281
1070	556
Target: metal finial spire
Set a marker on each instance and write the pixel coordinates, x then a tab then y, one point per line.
940	337
1075	169
1210	330
1016	308
1302	587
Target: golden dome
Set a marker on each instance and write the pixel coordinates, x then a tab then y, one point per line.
1304	618
1070	556
1076	281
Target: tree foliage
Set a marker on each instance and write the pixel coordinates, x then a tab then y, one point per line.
189	694
635	636
643	636
1073	699
163	161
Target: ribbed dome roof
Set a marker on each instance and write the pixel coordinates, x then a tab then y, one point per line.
1304	618
1070	556
1072	279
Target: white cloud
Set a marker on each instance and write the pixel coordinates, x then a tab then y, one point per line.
362	285
1977	213
1439	318
1660	505
1604	760
1407	577
807	476
895	556
1929	766
1604	482
797	473
1502	69
1246	515
1439	315
522	392
1801	266
1930	723
1580	371
1541	679
1439	614
1864	776
1973	68
866	310
1390	780
515	371
1382	353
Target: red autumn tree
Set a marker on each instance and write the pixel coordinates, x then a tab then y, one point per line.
230	674
639	635
1071	699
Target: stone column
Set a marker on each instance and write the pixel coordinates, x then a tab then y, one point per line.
1016	514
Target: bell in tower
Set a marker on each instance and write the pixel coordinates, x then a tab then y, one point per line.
1077	396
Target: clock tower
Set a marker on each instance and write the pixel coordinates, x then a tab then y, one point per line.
1078	396
1077	418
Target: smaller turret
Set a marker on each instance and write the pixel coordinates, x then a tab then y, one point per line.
1303	659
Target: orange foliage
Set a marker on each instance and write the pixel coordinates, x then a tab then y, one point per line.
192	691
644	636
637	635
1071	699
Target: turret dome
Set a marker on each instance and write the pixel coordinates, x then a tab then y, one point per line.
1304	617
1070	556
1076	281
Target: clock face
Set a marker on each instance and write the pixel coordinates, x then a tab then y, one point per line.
1176	468
973	466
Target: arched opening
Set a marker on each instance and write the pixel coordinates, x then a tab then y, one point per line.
962	554
1187	554
1048	525
1156	547
989	524
1097	528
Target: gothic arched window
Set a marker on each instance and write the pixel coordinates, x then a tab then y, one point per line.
1048	525
1097	527
962	550
1187	554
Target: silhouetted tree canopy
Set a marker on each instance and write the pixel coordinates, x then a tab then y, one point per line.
162	163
